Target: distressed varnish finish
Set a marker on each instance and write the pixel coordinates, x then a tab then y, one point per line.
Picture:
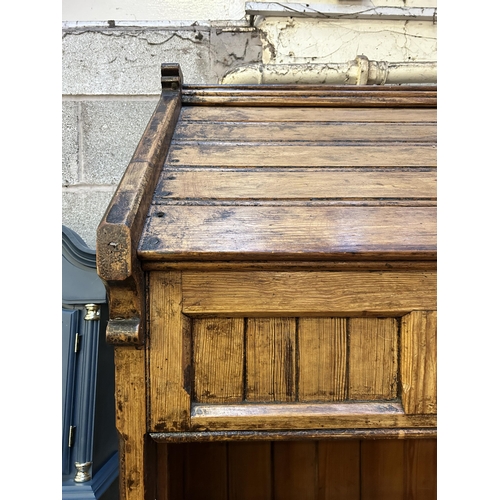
418	362
291	247
260	293
271	352
218	359
170	355
373	358
322	361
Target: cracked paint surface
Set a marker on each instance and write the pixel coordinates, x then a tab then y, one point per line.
127	62
295	41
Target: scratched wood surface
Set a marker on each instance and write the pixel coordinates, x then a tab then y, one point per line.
323	359
257	182
271	359
314	470
218	359
373	358
169	355
419	362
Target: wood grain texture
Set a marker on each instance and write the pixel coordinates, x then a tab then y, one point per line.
218	359
288	416
373	358
301	95
338	470
309	154
419	362
271	359
170	355
284	233
296	435
300	131
206	472
421	469
308	293
295	184
382	470
295	476
136	478
298	114
322	345
250	471
122	224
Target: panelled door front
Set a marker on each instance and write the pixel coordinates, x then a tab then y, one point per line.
259	350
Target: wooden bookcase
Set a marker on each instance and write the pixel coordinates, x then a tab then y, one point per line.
270	261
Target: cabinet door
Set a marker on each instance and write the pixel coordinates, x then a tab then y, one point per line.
292	351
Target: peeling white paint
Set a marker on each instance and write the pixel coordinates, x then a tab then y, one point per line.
295	41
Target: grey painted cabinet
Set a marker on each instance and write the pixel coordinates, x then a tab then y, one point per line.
89	439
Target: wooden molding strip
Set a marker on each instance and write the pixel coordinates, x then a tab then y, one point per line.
313	95
287	416
382	433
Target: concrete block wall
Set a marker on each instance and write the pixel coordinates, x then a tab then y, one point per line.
111	84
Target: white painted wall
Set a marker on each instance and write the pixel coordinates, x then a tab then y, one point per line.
190	10
145	10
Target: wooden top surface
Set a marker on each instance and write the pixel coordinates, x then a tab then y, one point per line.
287	182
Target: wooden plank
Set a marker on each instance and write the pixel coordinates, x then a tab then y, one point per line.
162	472
340	434
308	293
170	355
322	345
382	470
130	397
284	232
419	362
206	471
176	458
421	469
304	416
300	131
295	476
270	359
326	95
218	359
298	114
217	184
373	358
338	470
249	471
307	154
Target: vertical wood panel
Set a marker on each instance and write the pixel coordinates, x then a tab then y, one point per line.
338	470
206	471
373	358
170	355
250	471
218	359
175	454
418	362
421	469
295	471
382	470
162	472
322	345
130	392
270	359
